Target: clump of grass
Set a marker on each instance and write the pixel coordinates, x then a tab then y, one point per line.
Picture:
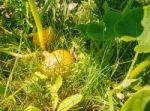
86	12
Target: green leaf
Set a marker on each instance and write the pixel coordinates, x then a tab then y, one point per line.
128	83
32	108
110	19
139	101
53	90
143	48
58	83
130	23
133	25
144	39
136	72
2	90
136	24
82	28
127	39
54	99
54	96
95	31
69	102
105	30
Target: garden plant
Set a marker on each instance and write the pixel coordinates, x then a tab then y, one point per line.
82	55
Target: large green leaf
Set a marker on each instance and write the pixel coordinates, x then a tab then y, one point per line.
130	23
144	39
131	26
69	102
136	24
95	31
104	30
138	101
110	19
82	28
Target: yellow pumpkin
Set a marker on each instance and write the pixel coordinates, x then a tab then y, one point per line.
58	60
48	36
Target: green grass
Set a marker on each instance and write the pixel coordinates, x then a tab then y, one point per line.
97	67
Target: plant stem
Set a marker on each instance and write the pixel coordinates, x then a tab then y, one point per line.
141	67
65	9
5	30
37	22
132	65
129	3
13	69
110	99
27	15
10	77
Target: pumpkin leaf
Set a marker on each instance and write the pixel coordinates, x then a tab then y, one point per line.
127	38
32	108
133	25
144	39
69	102
139	101
104	30
130	23
136	24
82	28
110	19
95	31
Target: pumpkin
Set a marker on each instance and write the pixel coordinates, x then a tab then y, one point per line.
48	36
57	62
